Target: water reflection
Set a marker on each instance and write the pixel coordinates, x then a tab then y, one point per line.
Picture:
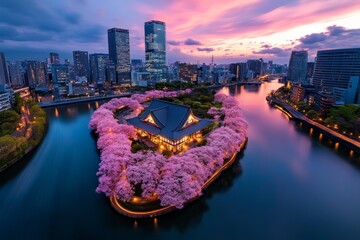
191	215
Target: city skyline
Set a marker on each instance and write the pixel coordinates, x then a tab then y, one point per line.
231	31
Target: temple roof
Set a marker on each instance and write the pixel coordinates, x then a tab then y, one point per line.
169	120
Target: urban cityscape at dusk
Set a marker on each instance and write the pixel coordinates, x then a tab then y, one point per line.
179	119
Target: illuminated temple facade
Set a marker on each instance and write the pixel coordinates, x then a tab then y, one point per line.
169	125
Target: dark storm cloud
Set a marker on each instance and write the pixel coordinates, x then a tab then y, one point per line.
193	42
206	49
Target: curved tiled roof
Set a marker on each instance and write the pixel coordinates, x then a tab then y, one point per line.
169	118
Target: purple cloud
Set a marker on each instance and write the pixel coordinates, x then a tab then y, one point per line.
206	49
192	42
313	38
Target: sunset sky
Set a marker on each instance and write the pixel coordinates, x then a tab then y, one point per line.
231	30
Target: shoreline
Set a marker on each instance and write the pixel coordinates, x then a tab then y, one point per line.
91	99
299	117
115	204
27	152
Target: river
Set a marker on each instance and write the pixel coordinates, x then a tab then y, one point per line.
289	183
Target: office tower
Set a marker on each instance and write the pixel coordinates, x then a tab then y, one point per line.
339	70
298	66
155	49
16	74
98	62
238	70
119	53
81	64
60	74
256	66
4	74
36	73
54	58
67	61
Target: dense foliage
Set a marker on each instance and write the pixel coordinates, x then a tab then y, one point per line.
346	117
13	146
176	179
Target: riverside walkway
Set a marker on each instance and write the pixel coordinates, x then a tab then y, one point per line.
296	115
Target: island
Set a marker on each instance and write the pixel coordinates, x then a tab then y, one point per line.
159	154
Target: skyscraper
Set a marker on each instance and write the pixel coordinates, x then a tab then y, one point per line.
16	74
36	73
119	53
81	63
155	49
98	62
298	66
4	74
339	69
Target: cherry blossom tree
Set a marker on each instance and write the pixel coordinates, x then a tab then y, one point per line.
175	180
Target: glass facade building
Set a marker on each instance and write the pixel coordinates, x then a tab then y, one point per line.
98	62
81	63
333	68
298	66
4	74
119	53
339	70
155	49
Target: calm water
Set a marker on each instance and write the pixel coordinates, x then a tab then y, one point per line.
288	184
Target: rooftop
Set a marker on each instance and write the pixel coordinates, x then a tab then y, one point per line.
169	120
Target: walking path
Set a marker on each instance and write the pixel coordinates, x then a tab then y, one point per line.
349	142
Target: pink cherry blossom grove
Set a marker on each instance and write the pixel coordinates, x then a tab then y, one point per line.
175	180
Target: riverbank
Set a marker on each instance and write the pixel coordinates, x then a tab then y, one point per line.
15	147
97	98
120	208
297	116
81	100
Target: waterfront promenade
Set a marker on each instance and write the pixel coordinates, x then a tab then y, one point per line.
298	116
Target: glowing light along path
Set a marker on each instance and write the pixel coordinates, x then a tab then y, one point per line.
161	211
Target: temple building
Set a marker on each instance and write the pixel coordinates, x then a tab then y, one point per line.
169	125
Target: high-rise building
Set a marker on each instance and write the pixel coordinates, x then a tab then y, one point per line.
238	70
81	63
16	74
339	69
298	66
155	49
54	58
256	65
4	74
36	73
98	62
119	53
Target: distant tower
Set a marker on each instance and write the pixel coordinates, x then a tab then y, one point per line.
119	53
298	66
4	74
155	49
81	63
